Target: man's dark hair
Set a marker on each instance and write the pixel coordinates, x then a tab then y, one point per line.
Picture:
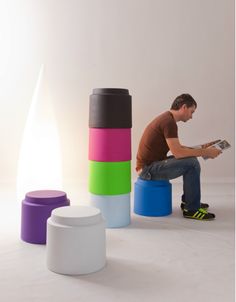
183	99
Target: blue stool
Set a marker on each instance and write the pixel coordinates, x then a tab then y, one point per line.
152	197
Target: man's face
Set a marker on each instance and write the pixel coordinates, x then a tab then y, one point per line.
187	113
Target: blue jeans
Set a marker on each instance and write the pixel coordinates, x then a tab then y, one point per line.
171	168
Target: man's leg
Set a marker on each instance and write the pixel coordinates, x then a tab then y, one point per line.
172	168
192	185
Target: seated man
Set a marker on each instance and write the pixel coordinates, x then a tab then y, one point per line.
160	136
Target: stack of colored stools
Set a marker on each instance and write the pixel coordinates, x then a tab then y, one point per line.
110	122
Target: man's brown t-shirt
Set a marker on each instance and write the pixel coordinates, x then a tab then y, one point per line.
153	146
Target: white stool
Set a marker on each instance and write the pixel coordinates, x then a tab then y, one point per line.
76	240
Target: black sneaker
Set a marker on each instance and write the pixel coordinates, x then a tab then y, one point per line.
202	205
200	214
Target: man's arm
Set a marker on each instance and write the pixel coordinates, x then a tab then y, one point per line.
204	146
180	152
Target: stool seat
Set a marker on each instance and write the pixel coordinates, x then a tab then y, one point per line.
76	216
76	240
36	208
152	197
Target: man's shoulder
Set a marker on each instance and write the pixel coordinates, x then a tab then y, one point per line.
163	119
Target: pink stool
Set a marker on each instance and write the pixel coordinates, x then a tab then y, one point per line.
110	144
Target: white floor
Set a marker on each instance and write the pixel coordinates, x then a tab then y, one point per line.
154	259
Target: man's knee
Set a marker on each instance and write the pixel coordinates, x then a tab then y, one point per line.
193	162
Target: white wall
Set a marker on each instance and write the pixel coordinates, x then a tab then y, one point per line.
157	49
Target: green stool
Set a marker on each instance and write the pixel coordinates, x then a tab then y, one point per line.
109	178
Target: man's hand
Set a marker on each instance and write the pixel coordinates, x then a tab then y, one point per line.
181	152
204	146
211	152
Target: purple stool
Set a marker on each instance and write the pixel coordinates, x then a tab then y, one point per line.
36	209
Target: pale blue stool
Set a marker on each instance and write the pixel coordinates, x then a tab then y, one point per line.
152	197
115	209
